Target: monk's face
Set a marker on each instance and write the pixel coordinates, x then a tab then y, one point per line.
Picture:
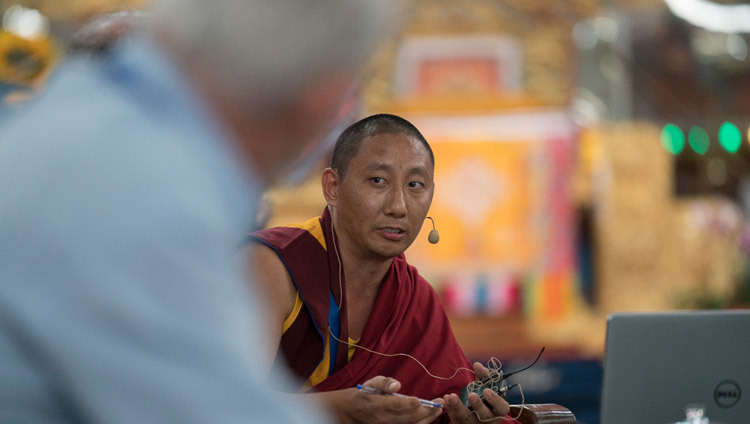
384	197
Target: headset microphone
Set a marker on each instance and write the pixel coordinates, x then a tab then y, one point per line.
434	236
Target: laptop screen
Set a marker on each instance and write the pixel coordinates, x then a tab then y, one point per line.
657	364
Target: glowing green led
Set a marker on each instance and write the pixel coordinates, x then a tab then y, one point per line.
698	139
672	139
730	137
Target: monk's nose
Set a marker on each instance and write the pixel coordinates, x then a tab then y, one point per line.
396	204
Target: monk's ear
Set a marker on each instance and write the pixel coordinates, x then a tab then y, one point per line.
330	181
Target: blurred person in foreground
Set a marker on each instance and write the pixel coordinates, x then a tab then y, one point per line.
125	188
342	290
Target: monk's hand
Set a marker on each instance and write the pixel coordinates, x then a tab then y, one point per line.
384	408
460	414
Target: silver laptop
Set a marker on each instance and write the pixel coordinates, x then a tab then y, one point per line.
656	364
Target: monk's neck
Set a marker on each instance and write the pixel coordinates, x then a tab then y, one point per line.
363	275
363	272
363	279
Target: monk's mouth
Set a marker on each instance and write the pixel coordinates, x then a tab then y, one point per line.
391	233
393	230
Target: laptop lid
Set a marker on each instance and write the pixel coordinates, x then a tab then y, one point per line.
658	363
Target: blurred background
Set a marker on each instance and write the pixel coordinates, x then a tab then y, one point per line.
592	156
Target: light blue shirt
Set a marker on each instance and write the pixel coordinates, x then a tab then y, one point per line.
121	208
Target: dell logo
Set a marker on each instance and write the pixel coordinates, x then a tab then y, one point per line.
727	394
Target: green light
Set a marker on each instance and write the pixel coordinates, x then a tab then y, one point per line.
698	140
672	139
730	137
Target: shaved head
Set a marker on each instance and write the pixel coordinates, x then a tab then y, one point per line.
349	142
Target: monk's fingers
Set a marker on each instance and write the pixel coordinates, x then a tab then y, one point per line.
457	412
498	405
400	405
434	413
424	415
406	409
373	408
480	409
480	370
384	384
430	414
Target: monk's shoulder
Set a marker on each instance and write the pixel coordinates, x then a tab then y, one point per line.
271	275
280	238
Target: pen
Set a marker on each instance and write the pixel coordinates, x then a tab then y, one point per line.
424	402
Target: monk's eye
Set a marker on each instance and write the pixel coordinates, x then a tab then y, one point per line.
377	180
416	184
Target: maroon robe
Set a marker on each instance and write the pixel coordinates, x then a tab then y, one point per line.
407	317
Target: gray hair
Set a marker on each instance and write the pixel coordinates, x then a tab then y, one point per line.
263	52
100	35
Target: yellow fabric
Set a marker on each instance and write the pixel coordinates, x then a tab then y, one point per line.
321	372
293	316
313	227
351	348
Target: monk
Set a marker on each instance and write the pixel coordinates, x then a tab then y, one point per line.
348	309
